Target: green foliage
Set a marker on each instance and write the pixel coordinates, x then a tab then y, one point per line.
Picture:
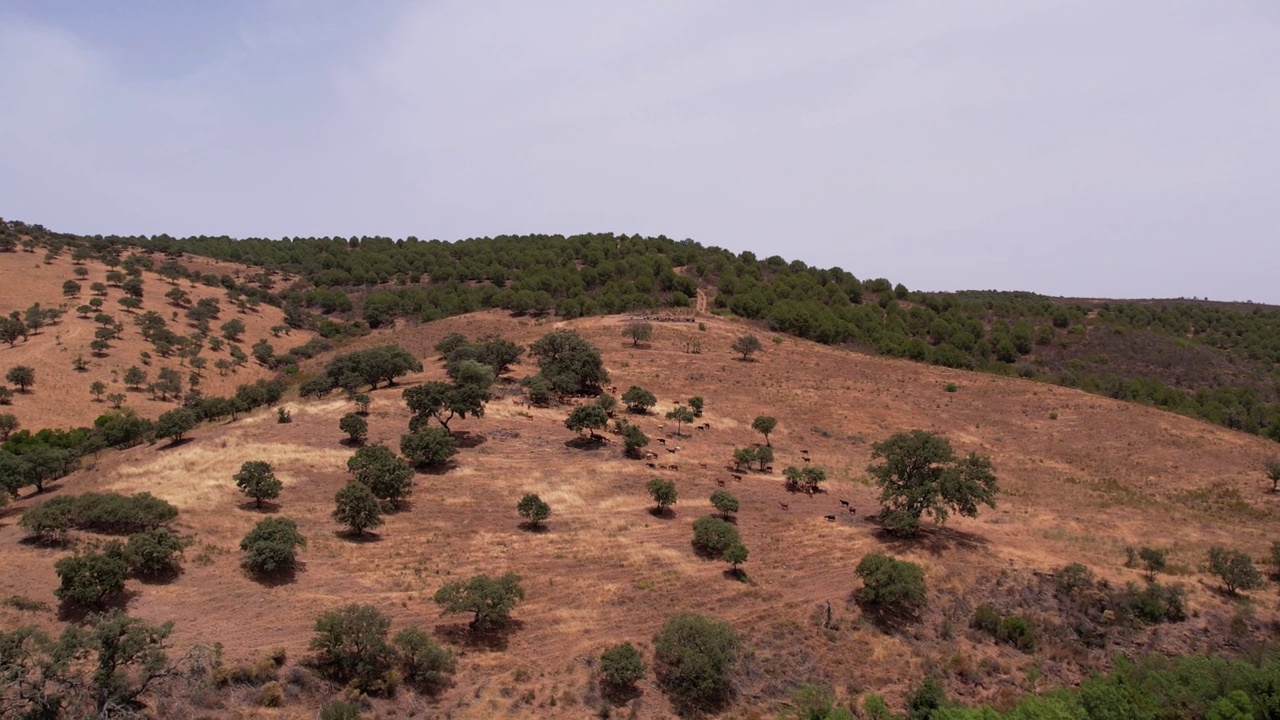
352	648
381	364
356	427
638	332
725	502
1235	569
533	509
663	493
272	545
8	424
925	698
764	425
735	555
100	512
744	456
569	363
424	664
621	666
444	402
587	417
1272	469
21	375
1153	560
357	508
176	423
713	535
638	400
807	479
681	415
891	586
634	440
90	578
694	657
389	477
696	403
747	345
340	709
491	600
922	475
815	702
429	448
153	553
257	480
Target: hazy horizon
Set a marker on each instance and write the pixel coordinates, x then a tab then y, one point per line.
1078	149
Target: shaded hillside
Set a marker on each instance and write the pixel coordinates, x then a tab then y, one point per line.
1217	361
1083	477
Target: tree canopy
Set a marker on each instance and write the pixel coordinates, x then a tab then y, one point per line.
921	474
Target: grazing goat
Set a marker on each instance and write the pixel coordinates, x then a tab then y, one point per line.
652	465
737	477
830	518
672	450
805	458
720	482
674	467
702	465
804	452
853	511
784	505
844	503
662	441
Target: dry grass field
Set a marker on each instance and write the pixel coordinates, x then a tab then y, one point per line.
1082	477
60	397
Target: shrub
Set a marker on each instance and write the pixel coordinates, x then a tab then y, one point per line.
429	447
713	535
272	545
352	646
986	619
101	512
1016	631
356	427
725	502
257	480
340	710
90	578
357	508
534	509
693	659
621	666
176	423
153	552
663	493
425	664
890	585
389	477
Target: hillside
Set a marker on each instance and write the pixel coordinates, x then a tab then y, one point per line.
61	395
1083	477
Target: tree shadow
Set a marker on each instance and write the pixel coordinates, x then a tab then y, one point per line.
536	528
267	506
365	538
74	612
936	539
705	553
889	619
491	639
663	513
161	578
352	443
620	694
737	574
174	444
435	469
277	577
590	442
36	541
467	439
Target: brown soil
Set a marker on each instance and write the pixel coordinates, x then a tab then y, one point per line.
1078	488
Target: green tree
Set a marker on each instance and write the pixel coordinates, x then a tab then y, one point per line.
356	427
764	456
1235	569
129	657
681	415
638	400
429	448
696	403
425	665
890	586
1153	561
570	364
806	480
735	555
21	375
712	535
135	376
96	389
257	480
922	475
353	648
634	440
743	456
1272	468
533	509
818	702
8	425
467	396
587	417
621	666
362	402
232	329
764	425
272	545
663	493
491	600
638	332
11	330
176	423
725	502
388	476
90	578
357	508
694	657
70	288
748	345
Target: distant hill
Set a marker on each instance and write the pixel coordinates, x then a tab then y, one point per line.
1216	361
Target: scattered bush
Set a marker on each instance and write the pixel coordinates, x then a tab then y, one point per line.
1235	569
533	509
489	599
424	664
713	535
621	666
90	578
353	648
272	545
694	657
101	512
153	553
891	586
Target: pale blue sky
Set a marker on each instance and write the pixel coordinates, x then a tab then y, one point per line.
1071	147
